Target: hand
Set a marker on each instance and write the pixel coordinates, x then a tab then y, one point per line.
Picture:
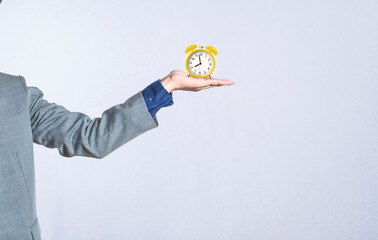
179	80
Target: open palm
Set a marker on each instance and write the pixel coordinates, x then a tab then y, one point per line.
179	80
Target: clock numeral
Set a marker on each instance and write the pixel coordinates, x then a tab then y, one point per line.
192	58
209	59
210	64
191	67
208	68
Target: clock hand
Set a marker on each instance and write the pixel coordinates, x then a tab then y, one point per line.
200	58
197	64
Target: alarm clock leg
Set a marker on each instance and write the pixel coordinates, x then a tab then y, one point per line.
188	75
209	76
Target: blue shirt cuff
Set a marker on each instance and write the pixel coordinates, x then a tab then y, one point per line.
156	97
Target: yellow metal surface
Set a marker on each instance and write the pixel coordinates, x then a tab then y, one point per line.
190	48
212	49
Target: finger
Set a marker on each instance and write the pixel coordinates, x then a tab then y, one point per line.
208	87
217	82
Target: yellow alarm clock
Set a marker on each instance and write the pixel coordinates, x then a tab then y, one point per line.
200	62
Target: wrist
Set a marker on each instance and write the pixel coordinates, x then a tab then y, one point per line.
167	84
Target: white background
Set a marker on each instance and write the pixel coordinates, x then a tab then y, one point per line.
288	152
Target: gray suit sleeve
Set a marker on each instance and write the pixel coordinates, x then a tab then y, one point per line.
76	134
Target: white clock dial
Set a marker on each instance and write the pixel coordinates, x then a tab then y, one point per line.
200	63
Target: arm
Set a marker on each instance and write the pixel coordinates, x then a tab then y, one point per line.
76	134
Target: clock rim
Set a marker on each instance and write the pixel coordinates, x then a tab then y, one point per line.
197	50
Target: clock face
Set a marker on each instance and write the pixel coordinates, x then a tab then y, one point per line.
200	63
